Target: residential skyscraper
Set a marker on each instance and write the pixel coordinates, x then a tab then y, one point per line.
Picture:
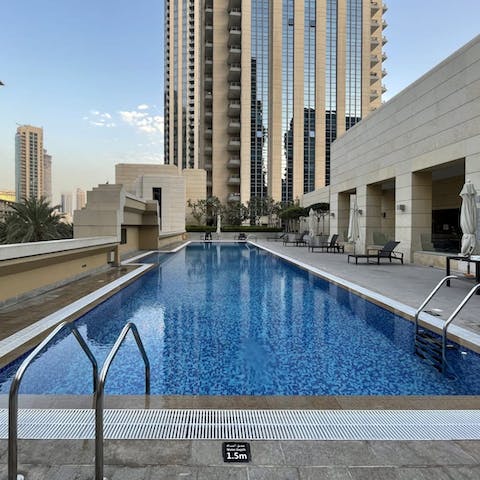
256	91
81	198
47	176
29	168
66	203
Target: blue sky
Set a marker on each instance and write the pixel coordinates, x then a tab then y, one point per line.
91	73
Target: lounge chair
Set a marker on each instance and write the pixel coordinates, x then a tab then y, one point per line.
329	246
242	236
385	252
296	239
276	238
207	237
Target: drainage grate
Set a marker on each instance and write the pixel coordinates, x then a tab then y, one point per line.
136	424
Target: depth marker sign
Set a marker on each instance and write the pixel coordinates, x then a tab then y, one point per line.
236	452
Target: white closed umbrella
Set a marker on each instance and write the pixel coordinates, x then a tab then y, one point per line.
312	223
468	218
219	224
353	226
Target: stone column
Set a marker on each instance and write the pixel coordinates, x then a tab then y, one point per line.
339	223
413	211
373	212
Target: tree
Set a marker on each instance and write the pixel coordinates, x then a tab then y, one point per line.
34	220
234	213
198	209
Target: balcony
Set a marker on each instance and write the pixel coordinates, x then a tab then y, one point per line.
384	56
373	94
208	65
374	24
208	167
234	90
234	126
208	98
384	89
234	72
234	108
384	7
384	40
384	25
234	179
208	48
373	77
234	17
208	133
234	3
234	197
234	54
384	73
233	163
208	150
235	32
374	6
374	42
234	144
373	59
208	80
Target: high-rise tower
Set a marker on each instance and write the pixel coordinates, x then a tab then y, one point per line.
256	91
29	167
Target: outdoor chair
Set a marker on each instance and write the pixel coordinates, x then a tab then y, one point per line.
277	237
329	246
296	239
241	236
387	251
207	237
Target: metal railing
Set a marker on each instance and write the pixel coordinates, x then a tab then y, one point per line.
99	397
15	386
452	317
430	296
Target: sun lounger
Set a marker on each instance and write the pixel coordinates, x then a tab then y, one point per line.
296	239
330	246
386	252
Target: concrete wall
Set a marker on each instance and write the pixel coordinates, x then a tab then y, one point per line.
33	267
126	174
432	124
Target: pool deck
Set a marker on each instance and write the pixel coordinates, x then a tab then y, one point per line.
404	285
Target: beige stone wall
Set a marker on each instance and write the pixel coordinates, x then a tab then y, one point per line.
21	276
195	185
126	174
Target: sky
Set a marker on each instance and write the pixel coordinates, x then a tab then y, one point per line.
90	73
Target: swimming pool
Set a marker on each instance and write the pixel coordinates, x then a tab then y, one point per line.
228	319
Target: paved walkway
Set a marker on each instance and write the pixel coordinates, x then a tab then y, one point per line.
281	460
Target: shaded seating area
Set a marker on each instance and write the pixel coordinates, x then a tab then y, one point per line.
297	239
387	251
323	244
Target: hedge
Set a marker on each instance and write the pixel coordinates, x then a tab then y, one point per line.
233	228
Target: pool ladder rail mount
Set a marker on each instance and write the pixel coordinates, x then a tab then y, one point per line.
98	392
433	348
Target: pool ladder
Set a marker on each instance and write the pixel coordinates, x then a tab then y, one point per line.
429	346
98	392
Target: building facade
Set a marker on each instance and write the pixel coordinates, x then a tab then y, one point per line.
47	176
29	166
81	198
256	91
406	164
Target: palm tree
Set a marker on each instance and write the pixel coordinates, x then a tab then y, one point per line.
34	220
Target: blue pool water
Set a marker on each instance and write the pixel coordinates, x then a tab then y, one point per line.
232	320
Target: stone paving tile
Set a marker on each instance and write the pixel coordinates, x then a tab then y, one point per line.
472	447
324	473
173	472
222	473
56	452
147	452
125	473
273	473
419	453
373	473
327	453
426	473
463	473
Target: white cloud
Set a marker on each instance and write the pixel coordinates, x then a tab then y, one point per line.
143	106
100	119
143	121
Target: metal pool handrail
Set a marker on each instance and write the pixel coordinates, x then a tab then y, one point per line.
452	317
99	396
430	296
15	386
